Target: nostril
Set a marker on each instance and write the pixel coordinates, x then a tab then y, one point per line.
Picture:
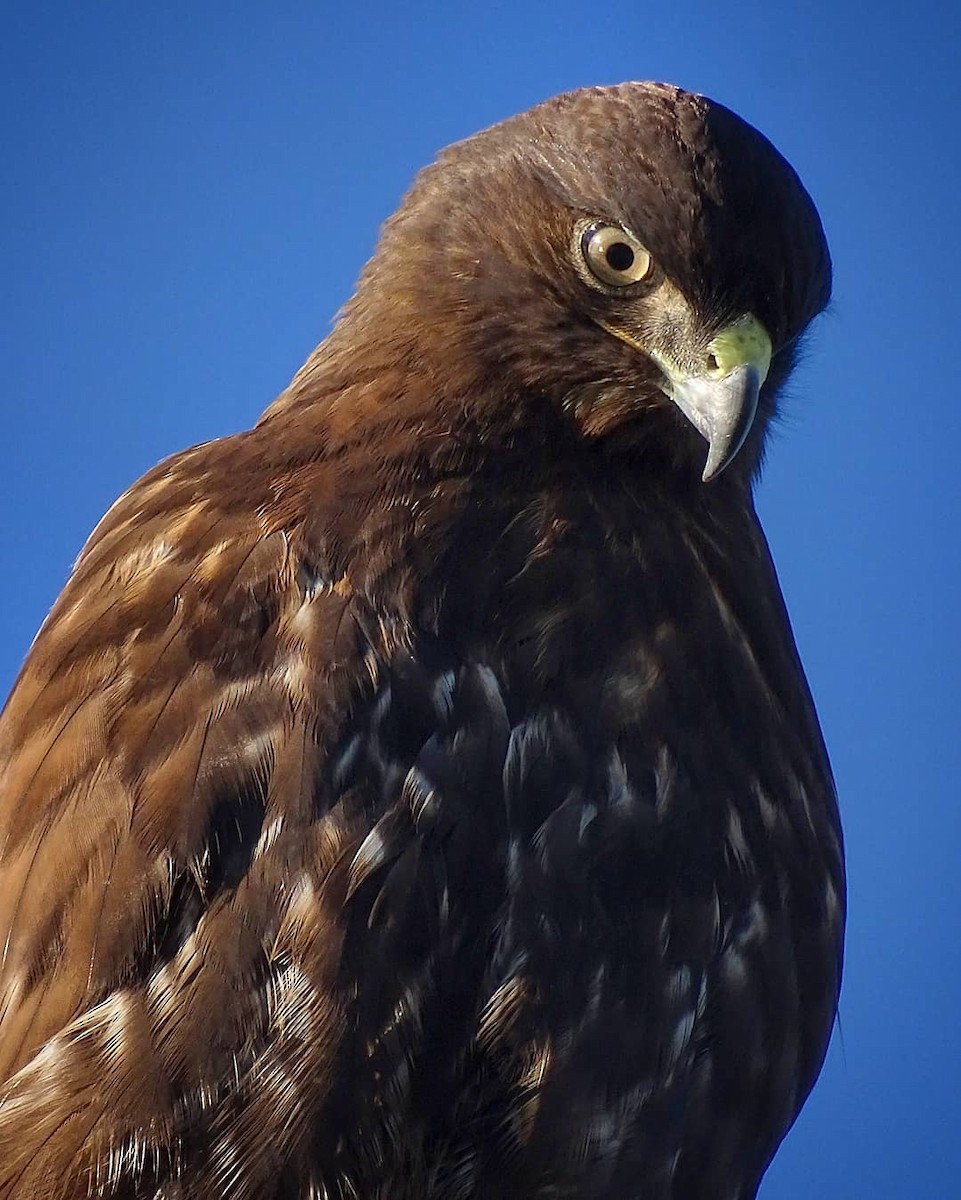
712	363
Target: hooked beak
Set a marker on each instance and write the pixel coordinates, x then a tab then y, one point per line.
721	401
721	410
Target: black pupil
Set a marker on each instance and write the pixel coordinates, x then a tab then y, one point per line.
620	257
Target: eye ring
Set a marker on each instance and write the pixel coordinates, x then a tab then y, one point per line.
614	256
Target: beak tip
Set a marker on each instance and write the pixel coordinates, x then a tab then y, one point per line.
717	460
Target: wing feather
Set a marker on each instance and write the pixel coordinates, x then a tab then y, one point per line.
161	857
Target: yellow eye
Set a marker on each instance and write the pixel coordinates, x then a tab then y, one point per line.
615	256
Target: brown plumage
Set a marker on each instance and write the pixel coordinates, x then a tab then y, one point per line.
419	795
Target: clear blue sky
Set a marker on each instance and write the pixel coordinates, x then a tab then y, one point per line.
188	191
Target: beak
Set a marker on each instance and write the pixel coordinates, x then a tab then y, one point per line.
721	401
721	410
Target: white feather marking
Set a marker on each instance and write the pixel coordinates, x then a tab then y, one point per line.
491	686
770	816
421	797
832	903
144	559
538	1066
734	966
303	621
116	1012
372	665
736	841
679	985
268	836
754	927
260	745
443	694
701	1005
161	986
681	1037
800	794
227	1159
370	855
680	996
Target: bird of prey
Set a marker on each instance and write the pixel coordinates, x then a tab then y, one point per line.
418	796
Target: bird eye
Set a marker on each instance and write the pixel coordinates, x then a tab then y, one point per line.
615	256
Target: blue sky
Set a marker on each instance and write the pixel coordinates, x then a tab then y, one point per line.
187	193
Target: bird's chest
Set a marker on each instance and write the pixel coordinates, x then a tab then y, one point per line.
596	886
593	738
584	915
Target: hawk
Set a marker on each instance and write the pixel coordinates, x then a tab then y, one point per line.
419	795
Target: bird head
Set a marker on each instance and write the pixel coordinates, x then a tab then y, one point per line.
637	257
